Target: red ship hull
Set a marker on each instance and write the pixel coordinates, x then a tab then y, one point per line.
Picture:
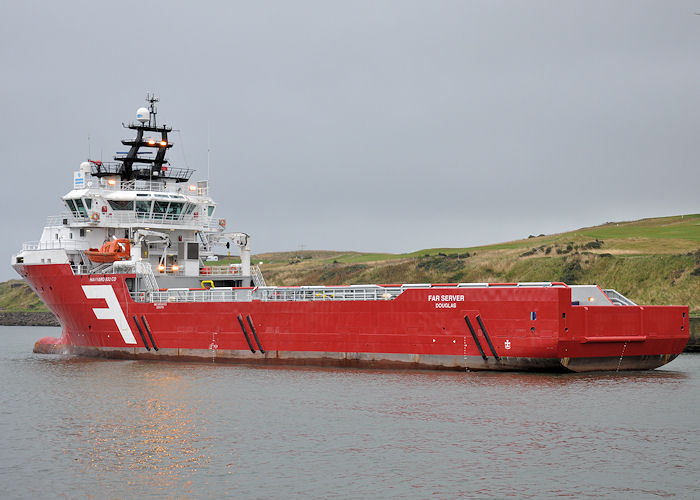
514	328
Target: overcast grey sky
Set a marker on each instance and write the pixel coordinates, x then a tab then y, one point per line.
365	125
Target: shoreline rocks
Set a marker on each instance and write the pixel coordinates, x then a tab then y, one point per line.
25	318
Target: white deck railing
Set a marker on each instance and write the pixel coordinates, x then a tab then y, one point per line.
53	245
310	293
201	188
186	295
203	222
321	293
271	294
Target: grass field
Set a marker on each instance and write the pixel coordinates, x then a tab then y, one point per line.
15	295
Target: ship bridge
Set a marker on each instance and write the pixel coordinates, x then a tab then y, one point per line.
140	203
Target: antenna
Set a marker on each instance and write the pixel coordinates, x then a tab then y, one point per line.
209	152
152	100
89	145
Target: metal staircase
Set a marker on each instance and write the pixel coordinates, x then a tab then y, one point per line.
257	276
144	272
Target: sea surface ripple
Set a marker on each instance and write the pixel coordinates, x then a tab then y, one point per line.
94	428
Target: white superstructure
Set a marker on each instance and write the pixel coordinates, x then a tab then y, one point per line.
169	221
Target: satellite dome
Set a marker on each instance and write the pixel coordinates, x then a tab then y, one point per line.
85	165
143	115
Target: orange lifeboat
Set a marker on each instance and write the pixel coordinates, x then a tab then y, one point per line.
111	251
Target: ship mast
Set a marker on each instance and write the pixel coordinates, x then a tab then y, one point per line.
136	164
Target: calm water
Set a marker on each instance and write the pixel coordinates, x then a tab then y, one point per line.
82	428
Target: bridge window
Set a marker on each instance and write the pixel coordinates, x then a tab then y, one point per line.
71	207
174	210
88	203
211	210
81	209
143	208
121	205
160	208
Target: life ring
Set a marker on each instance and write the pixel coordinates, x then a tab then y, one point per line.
95	216
222	223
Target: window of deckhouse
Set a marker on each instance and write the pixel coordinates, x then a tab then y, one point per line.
71	207
160	208
81	209
174	210
143	208
121	204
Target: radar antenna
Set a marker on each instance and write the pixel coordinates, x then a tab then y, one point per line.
137	164
151	99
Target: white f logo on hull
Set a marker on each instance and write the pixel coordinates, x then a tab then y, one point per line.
112	311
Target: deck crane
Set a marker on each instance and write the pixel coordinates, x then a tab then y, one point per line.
152	238
241	241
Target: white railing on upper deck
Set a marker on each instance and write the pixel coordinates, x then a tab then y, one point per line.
201	188
322	293
231	269
136	185
271	294
187	295
617	298
312	293
201	221
53	245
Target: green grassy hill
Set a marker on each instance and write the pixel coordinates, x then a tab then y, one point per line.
652	261
16	296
